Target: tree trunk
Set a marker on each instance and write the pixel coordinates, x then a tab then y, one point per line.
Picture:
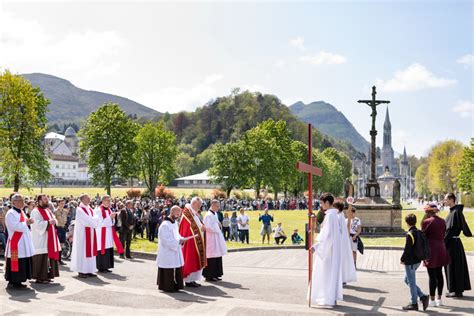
228	191
16	183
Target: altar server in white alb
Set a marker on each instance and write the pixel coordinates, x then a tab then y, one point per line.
84	246
19	250
169	257
106	236
326	286
215	244
46	242
347	260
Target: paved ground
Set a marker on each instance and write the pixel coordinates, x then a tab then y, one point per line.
270	282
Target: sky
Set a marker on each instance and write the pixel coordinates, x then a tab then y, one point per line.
174	56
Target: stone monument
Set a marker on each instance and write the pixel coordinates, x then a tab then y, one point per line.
377	215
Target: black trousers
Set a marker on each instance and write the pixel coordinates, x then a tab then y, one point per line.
436	280
226	232
126	239
282	238
152	229
244	235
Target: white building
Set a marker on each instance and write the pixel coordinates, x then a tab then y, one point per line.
200	180
64	162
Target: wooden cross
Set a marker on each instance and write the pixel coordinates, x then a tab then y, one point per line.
310	170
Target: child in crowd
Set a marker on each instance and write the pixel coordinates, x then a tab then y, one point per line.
296	238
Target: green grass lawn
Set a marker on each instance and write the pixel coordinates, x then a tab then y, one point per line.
116	191
296	220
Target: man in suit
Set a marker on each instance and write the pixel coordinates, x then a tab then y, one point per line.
128	224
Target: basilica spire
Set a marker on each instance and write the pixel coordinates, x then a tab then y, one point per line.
387	131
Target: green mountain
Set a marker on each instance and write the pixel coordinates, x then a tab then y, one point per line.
70	104
326	118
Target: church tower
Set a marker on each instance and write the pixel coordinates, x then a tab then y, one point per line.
388	159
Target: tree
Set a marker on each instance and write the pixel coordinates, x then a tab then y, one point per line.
184	164
343	160
421	180
443	166
156	154
466	169
22	127
228	165
106	142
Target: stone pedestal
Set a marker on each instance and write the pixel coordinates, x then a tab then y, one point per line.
379	217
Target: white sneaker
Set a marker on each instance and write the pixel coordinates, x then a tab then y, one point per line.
438	303
432	303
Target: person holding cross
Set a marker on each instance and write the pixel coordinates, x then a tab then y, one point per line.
326	287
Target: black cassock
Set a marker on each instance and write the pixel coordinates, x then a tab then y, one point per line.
457	272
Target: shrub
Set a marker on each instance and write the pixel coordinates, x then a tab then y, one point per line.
162	192
134	193
218	194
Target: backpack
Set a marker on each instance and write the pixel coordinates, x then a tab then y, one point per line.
422	248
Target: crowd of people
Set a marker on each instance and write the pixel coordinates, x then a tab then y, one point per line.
437	245
191	246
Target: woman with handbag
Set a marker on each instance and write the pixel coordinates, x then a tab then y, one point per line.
355	228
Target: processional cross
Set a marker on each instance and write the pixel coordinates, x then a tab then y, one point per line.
310	170
373	132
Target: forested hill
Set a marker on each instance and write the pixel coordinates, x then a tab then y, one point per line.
70	104
227	118
330	121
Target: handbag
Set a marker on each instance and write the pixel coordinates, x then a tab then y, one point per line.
360	245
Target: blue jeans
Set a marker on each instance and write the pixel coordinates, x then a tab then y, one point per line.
410	280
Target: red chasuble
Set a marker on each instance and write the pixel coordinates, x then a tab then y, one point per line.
194	250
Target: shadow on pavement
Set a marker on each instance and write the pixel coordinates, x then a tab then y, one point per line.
189	297
113	276
208	290
363	289
22	295
51	288
230	285
91	280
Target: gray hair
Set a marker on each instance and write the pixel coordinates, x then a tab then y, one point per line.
17	197
196	199
82	196
214	201
105	197
173	208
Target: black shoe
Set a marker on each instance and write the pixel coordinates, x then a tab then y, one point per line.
16	286
191	284
83	275
129	257
452	294
196	284
425	300
122	257
218	279
410	307
61	263
91	275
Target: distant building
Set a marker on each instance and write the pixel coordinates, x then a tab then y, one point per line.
64	163
388	170
200	180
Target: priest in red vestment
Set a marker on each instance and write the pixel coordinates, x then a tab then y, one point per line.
194	250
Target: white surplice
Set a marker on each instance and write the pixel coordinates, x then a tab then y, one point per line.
215	242
79	262
347	259
39	231
327	272
25	244
169	254
108	223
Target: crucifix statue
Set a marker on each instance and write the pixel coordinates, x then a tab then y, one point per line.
373	188
310	170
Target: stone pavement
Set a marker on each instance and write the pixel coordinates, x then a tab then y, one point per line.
269	282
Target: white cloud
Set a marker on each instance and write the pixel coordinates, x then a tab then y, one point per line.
176	99
85	57
466	60
280	63
415	77
297	42
464	108
324	58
